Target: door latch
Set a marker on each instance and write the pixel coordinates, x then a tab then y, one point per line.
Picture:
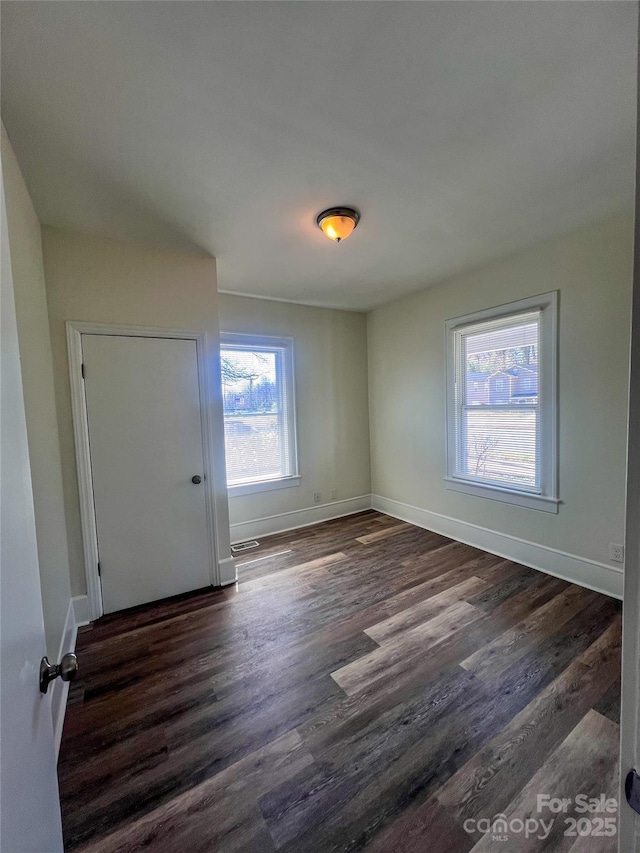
67	669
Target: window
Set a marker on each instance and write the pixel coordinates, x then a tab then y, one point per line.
259	417
501	403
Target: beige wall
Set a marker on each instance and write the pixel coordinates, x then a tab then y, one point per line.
330	352
105	281
37	378
401	403
592	269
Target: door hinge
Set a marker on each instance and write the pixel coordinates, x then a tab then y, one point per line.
99	571
82	369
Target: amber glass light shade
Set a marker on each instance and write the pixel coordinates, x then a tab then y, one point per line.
338	222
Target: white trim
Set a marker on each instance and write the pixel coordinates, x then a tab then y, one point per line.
495	493
284	521
579	570
322	305
83	466
75	330
60	688
546	498
228	572
81	610
569	567
241	489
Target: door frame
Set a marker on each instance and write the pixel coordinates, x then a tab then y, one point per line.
75	331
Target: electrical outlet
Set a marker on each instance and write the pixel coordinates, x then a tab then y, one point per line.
616	553
317	497
334	494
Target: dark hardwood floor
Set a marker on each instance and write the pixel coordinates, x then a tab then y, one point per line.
367	685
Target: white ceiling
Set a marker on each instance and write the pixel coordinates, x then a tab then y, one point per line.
461	130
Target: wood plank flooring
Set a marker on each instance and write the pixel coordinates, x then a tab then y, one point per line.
367	685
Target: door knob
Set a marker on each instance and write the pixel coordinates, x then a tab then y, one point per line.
196	480
67	669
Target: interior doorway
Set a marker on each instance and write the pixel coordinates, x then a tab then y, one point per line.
146	469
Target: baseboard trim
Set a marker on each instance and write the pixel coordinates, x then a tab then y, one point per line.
297	518
81	610
587	573
227	569
60	688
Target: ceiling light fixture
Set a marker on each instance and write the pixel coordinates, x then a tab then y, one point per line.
338	222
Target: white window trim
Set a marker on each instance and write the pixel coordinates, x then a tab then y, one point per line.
255	486
546	498
244	340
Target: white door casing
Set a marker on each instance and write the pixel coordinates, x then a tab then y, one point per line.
146	443
222	564
29	801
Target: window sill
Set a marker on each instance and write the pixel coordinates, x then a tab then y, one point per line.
495	493
262	486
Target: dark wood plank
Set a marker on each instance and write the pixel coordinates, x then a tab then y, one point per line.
321	705
497	656
423	611
397	655
425	827
221	810
498	771
609	704
582	764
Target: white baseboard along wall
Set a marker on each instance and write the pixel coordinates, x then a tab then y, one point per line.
297	518
59	688
588	573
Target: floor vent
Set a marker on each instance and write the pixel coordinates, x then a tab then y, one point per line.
244	546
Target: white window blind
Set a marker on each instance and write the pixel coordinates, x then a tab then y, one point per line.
501	407
497	424
257	390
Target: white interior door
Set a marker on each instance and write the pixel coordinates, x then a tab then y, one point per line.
28	783
145	434
629	821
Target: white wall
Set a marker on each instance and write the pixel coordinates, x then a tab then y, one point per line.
592	269
330	352
37	379
106	281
